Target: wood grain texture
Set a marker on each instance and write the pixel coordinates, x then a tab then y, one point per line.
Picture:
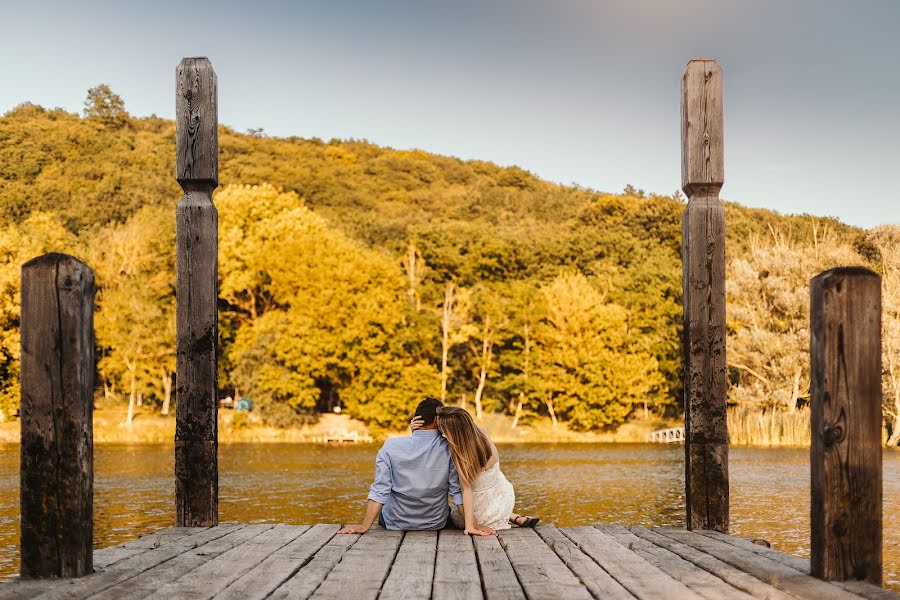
776	574
298	562
724	571
311	575
539	569
132	568
498	578
57	385
277	568
598	582
413	569
845	403
113	554
197	123
363	568
196	239
456	568
150	580
216	574
694	577
860	588
705	384
634	573
702	131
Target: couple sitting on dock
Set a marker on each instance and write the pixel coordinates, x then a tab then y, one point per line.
446	455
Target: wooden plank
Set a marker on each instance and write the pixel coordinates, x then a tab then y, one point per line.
216	574
148	581
57	385
795	562
860	588
540	571
130	568
275	570
734	577
598	582
498	578
196	288
362	570
413	569
845	415
692	576
456	568
703	284
786	579
634	573
305	581
25	589
104	557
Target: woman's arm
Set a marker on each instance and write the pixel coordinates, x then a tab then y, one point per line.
472	527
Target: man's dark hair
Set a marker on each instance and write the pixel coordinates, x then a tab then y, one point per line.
427	409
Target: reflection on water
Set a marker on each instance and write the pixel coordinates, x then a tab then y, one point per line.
565	484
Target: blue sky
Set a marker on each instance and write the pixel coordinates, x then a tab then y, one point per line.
574	91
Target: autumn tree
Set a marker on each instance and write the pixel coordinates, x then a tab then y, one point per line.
135	319
767	291
589	370
105	105
314	313
886	241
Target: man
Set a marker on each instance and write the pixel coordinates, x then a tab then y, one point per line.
413	477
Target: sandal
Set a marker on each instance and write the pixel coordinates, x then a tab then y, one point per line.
529	522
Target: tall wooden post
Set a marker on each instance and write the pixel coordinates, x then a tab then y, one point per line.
197	170
845	400
703	280
57	450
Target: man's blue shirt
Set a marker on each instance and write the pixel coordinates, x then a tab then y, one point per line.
413	477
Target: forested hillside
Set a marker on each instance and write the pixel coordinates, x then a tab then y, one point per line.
365	277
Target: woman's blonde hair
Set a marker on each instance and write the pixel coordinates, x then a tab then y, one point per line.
469	447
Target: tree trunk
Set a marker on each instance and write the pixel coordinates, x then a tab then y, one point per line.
131	396
140	398
445	335
795	390
462	401
167	391
412	254
549	402
486	351
518	414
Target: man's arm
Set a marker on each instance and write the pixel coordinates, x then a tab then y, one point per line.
455	490
378	493
372	510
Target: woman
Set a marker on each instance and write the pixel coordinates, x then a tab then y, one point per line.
488	497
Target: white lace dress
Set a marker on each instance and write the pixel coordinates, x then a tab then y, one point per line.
493	498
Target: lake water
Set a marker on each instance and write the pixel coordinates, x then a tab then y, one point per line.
565	484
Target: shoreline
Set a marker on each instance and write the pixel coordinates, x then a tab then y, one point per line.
239	428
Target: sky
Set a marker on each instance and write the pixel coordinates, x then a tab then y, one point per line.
583	92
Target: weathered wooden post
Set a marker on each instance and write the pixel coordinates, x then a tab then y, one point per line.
845	400
197	170
57	450
703	280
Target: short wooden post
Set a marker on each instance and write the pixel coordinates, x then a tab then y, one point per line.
197	170
703	280
57	385
845	400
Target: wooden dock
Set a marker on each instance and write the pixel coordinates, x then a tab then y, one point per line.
288	561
